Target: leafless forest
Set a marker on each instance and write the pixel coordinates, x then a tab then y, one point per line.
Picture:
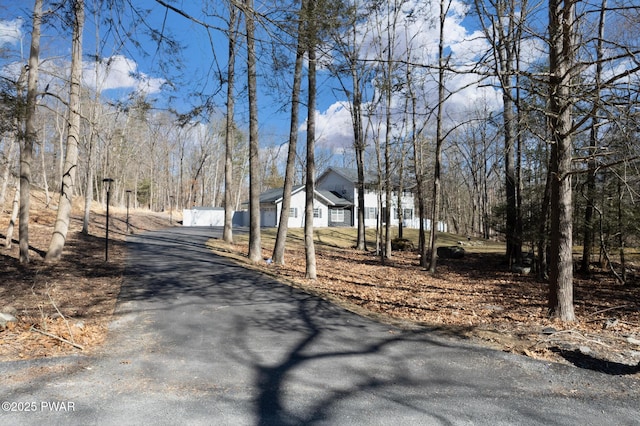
525	128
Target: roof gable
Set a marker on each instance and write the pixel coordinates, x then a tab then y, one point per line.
352	175
334	198
275	195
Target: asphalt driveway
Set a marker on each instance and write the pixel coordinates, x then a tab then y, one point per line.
199	340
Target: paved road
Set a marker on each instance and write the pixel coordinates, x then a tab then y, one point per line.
200	341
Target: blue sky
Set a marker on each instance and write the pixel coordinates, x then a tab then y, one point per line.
202	55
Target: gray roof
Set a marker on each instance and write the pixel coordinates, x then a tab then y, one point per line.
352	175
335	198
369	178
275	195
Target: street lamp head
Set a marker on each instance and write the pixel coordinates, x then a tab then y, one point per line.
107	181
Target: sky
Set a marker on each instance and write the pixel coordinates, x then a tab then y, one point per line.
172	81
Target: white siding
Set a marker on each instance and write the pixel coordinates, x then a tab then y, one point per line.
203	217
298	202
297	205
370	200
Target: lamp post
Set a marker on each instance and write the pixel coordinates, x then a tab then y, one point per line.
107	182
128	194
170	209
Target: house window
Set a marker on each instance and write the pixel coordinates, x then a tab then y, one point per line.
317	213
337	215
370	212
408	214
293	212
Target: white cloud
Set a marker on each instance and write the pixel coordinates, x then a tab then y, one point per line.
119	72
10	31
333	126
416	38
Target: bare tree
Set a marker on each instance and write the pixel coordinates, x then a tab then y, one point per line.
26	151
311	36
278	249
227	233
9	159
440	135
392	16
504	30
588	227
255	249
348	44
562	45
61	225
14	215
15	127
93	131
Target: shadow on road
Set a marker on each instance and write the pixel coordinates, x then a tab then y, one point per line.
301	358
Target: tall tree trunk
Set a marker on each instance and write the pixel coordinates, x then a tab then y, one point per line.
26	151
61	225
283	224
562	33
387	145
309	247
45	183
359	147
514	245
439	142
255	250
504	30
88	197
588	234
622	277
422	238
418	170
14	215
6	172
543	260
400	190
15	137
227	232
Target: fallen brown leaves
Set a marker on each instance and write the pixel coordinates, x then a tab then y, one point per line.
73	299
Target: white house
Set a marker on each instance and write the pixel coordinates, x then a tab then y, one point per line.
323	202
335	203
343	182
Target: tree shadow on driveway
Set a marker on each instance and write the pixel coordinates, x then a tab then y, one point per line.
285	357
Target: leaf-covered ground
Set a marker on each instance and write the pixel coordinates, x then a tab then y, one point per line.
474	297
74	299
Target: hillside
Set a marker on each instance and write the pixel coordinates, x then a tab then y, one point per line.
73	299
